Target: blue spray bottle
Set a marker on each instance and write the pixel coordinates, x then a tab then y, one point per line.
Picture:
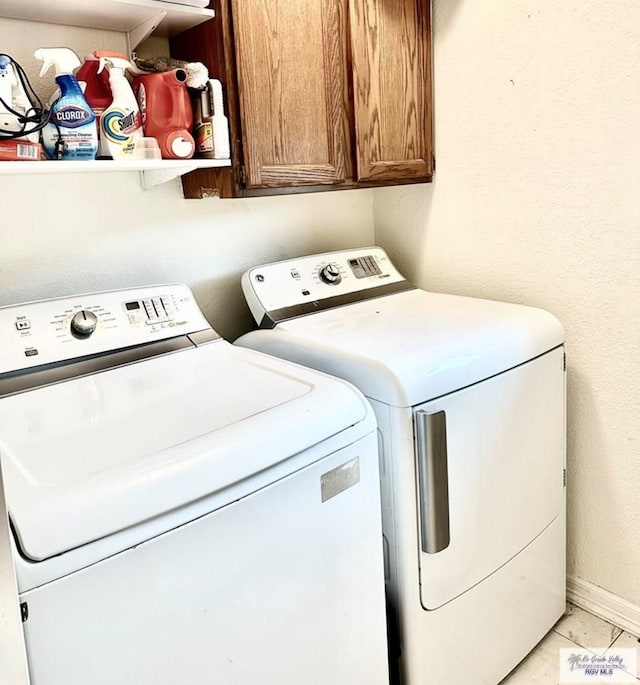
72	132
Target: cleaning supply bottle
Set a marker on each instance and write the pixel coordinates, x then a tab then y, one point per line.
72	132
94	81
167	114
121	122
212	127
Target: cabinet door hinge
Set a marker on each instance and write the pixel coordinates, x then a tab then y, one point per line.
564	478
564	361
24	611
242	175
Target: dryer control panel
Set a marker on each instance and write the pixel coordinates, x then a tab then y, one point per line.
305	284
60	330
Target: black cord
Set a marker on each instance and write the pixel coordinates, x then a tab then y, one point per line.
33	119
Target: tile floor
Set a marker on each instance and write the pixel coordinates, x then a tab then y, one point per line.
576	627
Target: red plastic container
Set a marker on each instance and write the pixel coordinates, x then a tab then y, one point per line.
98	92
166	110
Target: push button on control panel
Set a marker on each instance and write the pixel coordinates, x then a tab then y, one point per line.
150	310
23	324
156	309
364	266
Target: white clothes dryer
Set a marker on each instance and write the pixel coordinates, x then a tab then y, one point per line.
182	510
470	400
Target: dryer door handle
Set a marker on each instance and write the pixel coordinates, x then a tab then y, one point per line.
433	480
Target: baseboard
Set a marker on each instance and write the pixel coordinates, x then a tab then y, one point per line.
604	604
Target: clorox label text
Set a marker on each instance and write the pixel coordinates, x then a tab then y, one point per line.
72	116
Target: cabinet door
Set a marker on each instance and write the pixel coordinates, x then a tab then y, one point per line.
391	52
291	67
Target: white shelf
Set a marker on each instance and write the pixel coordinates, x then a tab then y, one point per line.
153	172
137	19
124	16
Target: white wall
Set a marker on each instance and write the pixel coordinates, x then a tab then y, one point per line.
66	235
62	235
537	200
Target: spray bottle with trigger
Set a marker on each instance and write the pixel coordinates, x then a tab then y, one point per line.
72	132
94	81
121	122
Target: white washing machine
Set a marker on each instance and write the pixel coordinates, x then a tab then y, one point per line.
182	510
470	400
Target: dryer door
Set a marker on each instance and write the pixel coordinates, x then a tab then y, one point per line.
490	473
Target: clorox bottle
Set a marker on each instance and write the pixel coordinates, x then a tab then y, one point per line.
121	122
72	132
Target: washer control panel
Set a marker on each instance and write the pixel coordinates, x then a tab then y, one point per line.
63	329
294	282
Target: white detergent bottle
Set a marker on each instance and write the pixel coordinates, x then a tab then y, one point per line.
212	127
219	121
121	123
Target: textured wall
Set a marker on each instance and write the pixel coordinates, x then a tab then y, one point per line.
69	234
61	235
537	200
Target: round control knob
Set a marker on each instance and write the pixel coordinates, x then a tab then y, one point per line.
330	274
83	323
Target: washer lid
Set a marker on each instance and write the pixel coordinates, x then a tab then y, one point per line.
407	348
92	456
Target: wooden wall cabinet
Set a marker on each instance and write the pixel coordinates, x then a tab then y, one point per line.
321	94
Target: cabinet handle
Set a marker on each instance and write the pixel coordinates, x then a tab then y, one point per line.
433	481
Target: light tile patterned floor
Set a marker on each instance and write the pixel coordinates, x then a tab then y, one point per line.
576	627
